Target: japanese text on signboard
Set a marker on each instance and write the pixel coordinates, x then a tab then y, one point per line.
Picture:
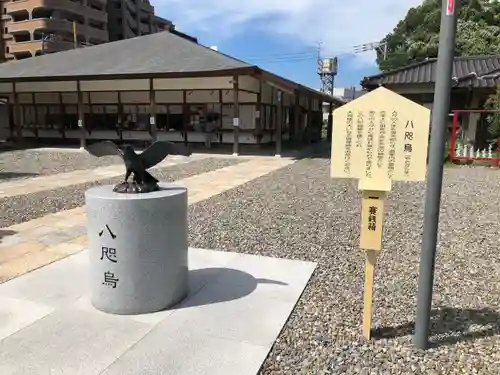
392	144
408	146
380	136
348	143
359	133
381	140
369	144
372	218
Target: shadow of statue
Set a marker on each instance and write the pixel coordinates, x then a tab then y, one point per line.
5	233
14	175
449	326
231	285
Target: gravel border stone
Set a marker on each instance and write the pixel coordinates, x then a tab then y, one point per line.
299	212
27	207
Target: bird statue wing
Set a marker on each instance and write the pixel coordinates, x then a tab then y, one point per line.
105	148
159	151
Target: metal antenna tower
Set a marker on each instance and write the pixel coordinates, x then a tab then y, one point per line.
327	70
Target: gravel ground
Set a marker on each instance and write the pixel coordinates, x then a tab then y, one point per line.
29	163
300	213
27	207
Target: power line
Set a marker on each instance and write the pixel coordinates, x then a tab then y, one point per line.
291	57
373	46
280	55
312	53
285	59
304	55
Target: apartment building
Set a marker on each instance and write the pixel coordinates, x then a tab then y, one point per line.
32	27
131	18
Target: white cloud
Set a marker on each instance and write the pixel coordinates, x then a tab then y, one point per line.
339	24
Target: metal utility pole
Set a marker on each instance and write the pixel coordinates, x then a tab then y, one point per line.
435	171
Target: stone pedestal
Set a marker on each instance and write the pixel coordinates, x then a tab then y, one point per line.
138	248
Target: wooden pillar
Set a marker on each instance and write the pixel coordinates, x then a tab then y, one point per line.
120	116
274	113
167	118
220	103
152	112
220	134
291	124
62	126
308	120
17	116
297	133
329	128
258	112
35	125
81	116
236	116
88	126
185	116
279	123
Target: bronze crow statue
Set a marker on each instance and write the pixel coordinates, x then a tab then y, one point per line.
143	181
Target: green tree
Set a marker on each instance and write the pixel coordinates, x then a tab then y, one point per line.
493	118
416	37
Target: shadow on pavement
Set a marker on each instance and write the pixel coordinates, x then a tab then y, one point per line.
17	146
5	233
231	285
13	175
450	326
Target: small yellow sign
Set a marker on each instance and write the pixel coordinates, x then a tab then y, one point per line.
380	136
372	220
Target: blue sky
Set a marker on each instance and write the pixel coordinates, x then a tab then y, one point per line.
282	35
298	63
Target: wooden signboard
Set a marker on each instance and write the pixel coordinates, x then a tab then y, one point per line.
378	138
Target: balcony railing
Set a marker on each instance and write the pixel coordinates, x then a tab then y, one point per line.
38	45
56	25
67	5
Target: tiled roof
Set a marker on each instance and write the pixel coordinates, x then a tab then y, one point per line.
425	72
159	53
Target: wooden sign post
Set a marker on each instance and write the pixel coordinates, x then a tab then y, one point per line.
372	218
378	138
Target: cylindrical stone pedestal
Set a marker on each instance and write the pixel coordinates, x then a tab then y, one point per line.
138	248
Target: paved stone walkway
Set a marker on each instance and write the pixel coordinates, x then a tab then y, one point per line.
56	181
30	245
236	307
